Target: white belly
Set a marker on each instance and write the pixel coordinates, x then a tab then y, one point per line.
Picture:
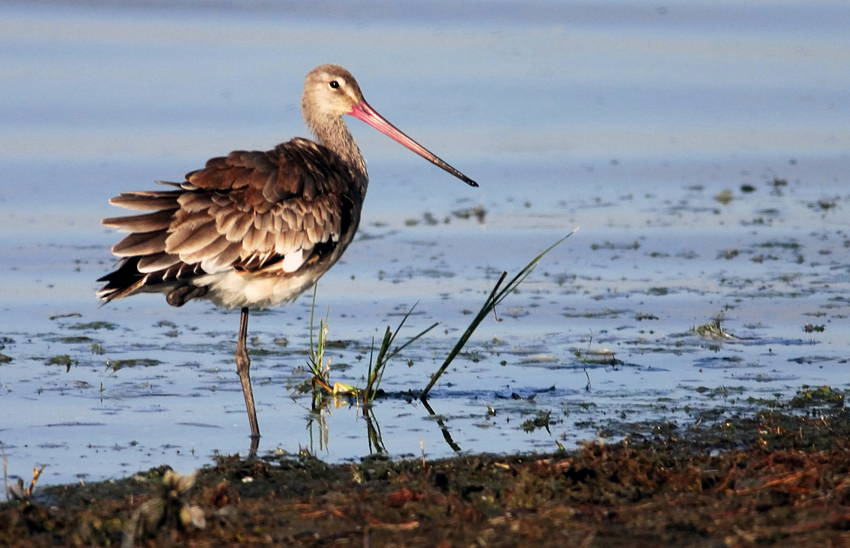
232	289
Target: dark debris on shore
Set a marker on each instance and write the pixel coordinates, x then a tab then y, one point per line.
775	478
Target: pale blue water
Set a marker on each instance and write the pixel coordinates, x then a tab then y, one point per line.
625	119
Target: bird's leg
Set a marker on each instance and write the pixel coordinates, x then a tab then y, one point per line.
243	365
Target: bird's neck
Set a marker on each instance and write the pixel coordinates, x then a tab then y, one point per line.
334	134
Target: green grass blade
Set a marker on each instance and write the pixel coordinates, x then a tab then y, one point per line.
385	355
490	304
412	340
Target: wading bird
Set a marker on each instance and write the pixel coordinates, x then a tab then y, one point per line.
256	229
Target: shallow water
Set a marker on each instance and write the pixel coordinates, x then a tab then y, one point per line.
701	149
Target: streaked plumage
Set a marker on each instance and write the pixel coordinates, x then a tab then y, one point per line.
255	229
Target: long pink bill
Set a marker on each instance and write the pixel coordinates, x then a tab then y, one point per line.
362	111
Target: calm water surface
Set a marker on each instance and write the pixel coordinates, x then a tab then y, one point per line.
702	149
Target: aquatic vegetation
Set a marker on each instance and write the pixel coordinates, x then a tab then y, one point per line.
376	372
496	296
63	359
134	362
109	326
713	330
320	368
820	396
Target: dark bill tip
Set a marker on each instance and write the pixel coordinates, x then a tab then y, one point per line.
362	111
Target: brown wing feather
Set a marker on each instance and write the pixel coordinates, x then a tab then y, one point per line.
247	211
153	199
148	222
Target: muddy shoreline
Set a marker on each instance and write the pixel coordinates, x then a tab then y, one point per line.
779	477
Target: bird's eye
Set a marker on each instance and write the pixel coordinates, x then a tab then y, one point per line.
334	84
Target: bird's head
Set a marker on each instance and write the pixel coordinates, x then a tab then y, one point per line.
329	90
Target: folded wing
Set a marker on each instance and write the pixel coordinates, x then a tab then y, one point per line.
252	212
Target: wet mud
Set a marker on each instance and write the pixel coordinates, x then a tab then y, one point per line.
778	477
